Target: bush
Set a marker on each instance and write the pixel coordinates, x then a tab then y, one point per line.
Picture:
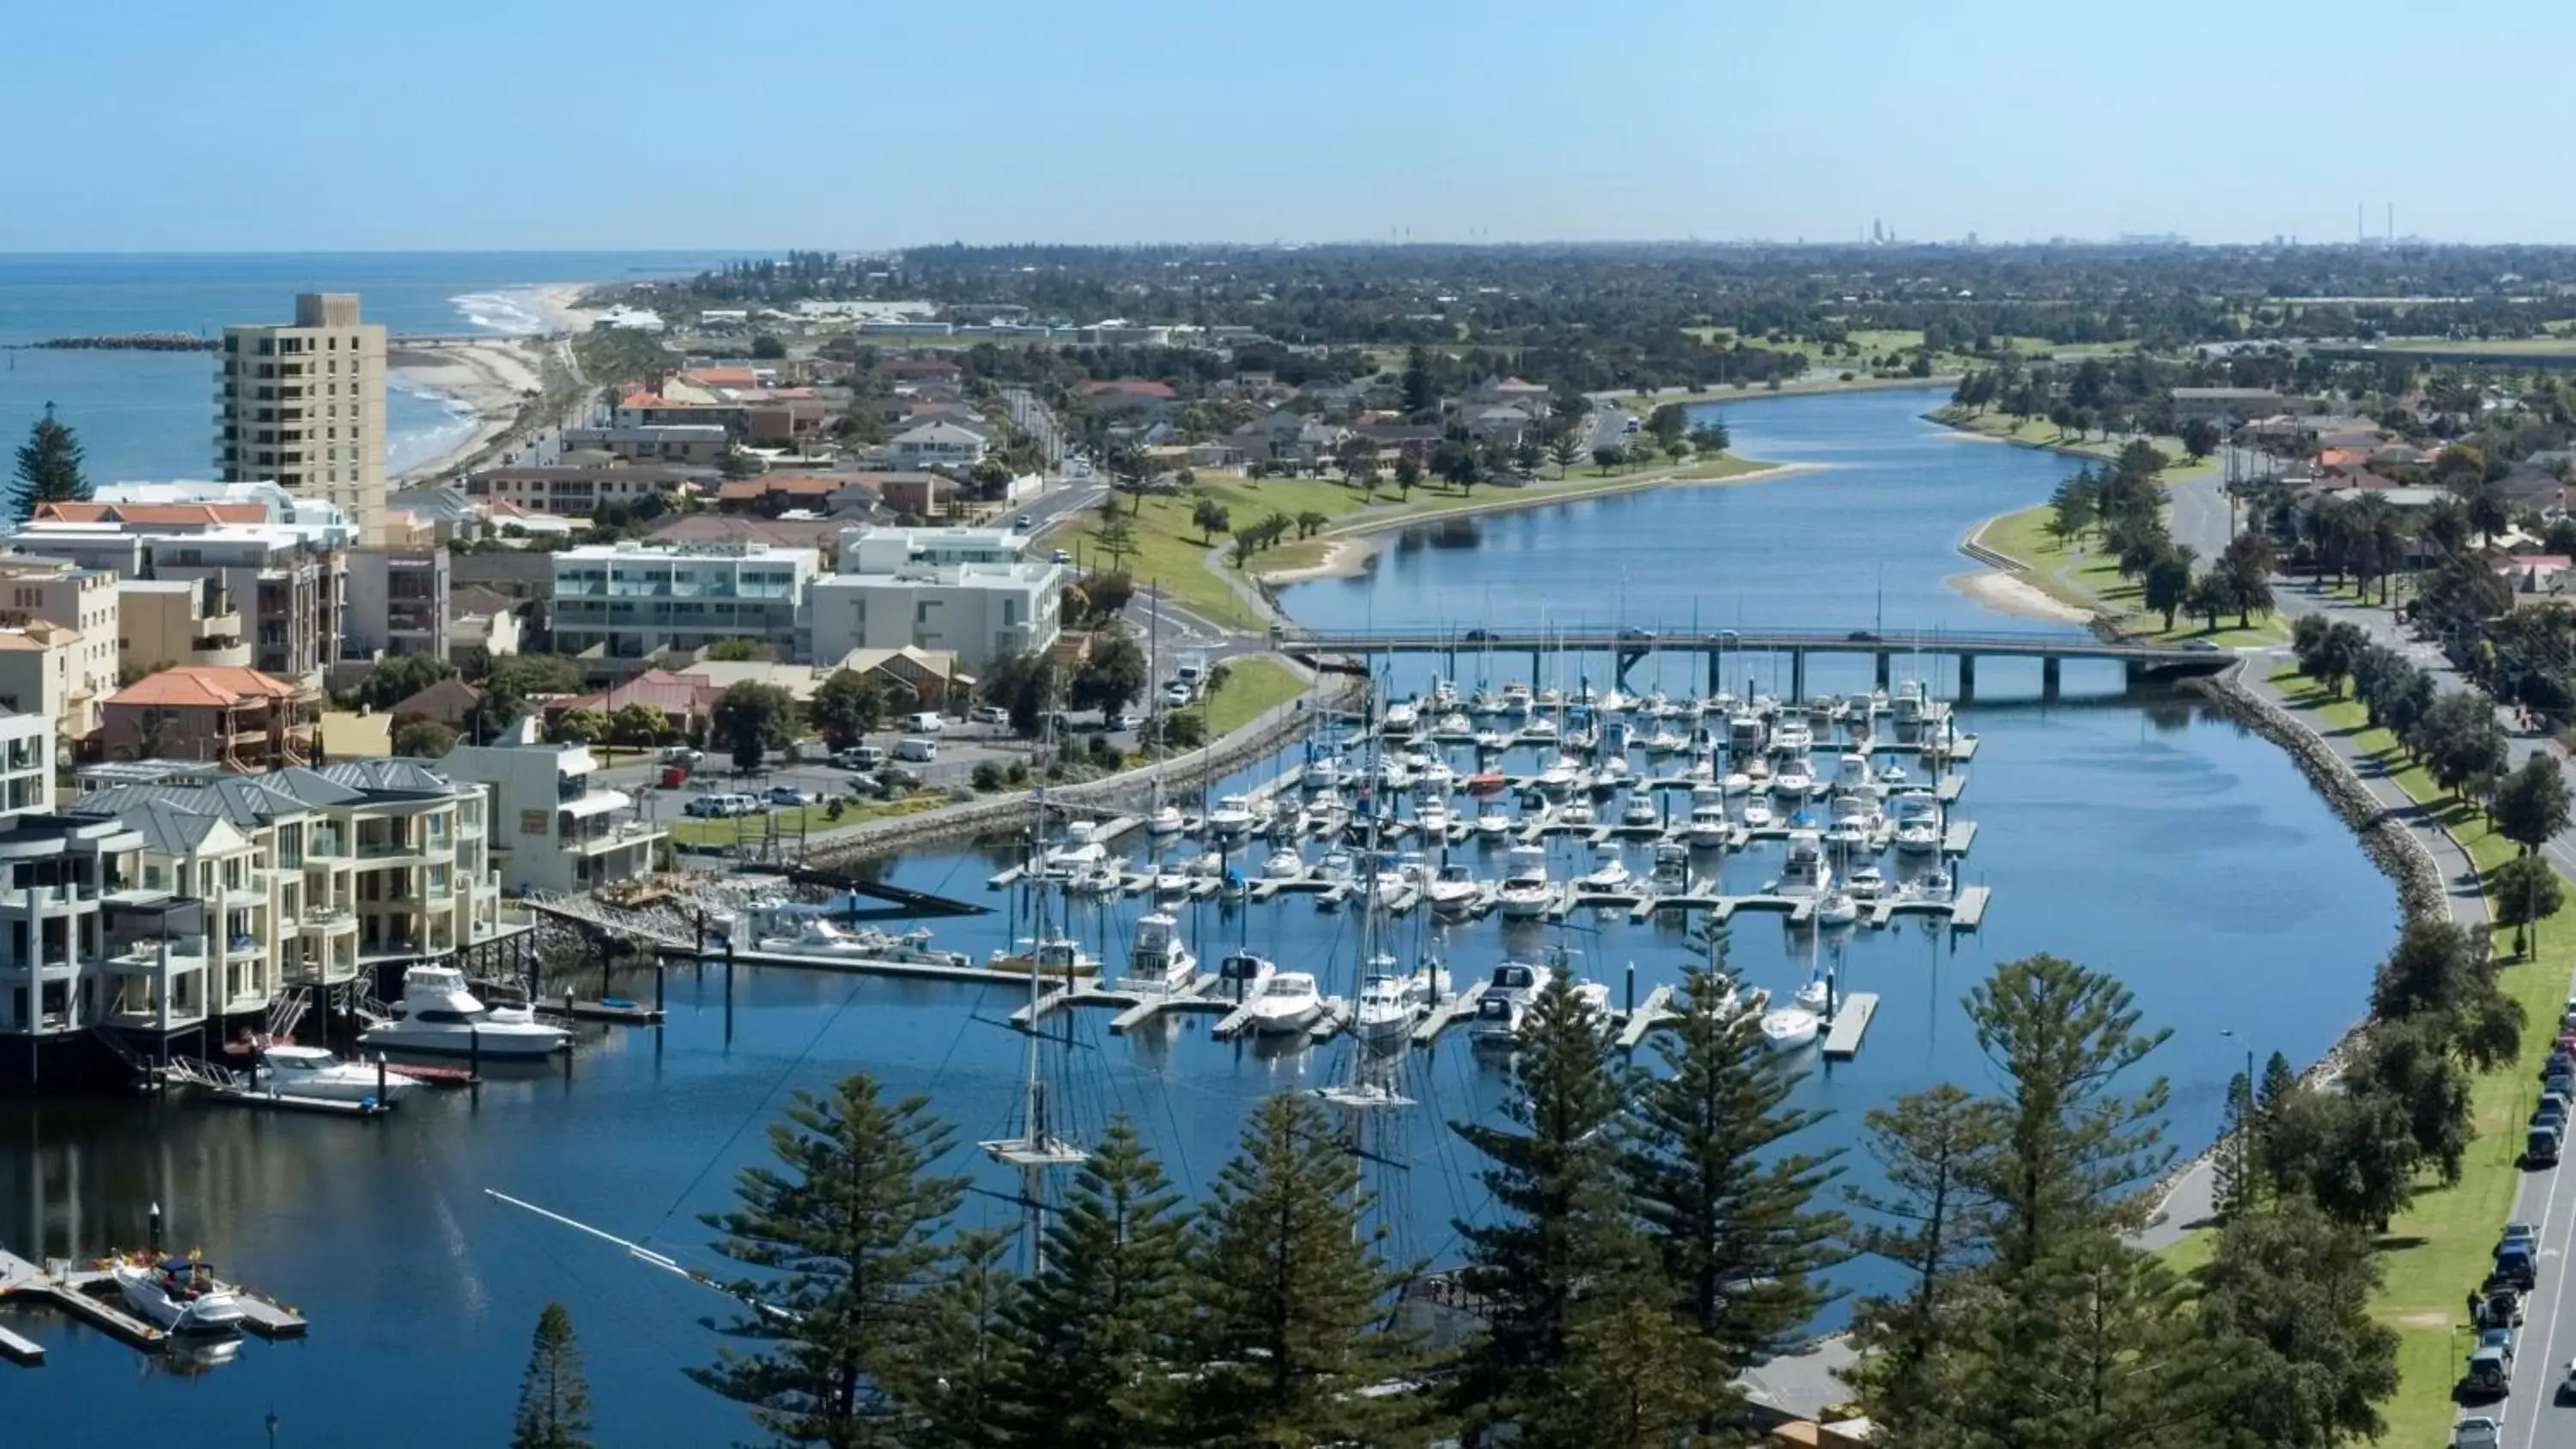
987	776
1018	774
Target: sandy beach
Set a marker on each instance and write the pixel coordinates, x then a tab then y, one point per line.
498	379
1348	550
2011	594
556	300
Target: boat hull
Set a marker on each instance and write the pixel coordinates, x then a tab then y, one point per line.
490	1045
209	1313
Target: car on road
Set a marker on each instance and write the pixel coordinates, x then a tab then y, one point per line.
990	714
2518	1233
1118	720
1024	523
1478	636
1062	556
791	798
1861	636
2490	1370
2477	1433
1176	695
860	757
2200	646
1637	636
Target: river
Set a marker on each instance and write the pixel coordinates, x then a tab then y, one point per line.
2136	835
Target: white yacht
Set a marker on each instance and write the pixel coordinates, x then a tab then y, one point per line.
1493	822
1577	811
1336	868
1158	960
1455	888
1490	742
1790	735
1639	813
439	1017
1708	823
1527	891
1757	814
1484	701
1837	909
1614	768
1322	772
1790	1028
1453	725
1517	699
177	1295
1432	819
1389	1005
1805	873
1745	734
1232	815
1102	879
1240	977
1852	776
1165	820
1893	776
1736	782
1435	777
1793	780
1609	872
1171	882
1931	885
1056	957
1287	818
1285	863
1079	849
1815	996
1558	779
1918	822
810	936
1865	882
1288	1003
1671	873
303	1071
1401	718
1665	741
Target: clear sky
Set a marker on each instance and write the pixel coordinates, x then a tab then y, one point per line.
175	125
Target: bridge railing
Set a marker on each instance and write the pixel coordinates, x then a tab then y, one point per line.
1608	640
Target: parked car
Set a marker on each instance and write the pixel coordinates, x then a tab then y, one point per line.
723	804
1118	720
861	757
1062	556
924	723
2480	1433
791	798
990	714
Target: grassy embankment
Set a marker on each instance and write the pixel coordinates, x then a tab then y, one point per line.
1171	554
2080	575
809	820
2437	1250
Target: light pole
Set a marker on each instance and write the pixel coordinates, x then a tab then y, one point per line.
2245	1128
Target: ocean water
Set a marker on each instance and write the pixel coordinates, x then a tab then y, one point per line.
152	414
2136	834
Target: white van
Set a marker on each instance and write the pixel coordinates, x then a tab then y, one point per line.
916	749
924	724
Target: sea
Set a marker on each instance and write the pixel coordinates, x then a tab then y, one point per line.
2137	833
151	415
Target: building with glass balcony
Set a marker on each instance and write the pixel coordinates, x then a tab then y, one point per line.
634	601
553	827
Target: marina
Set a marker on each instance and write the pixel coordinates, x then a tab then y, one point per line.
92	1296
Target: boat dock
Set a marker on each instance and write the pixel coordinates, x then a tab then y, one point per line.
1851	1021
222	1084
91	1295
1446	1015
1650	1013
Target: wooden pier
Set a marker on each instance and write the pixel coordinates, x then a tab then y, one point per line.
91	1295
1446	1015
1852	1015
1650	1013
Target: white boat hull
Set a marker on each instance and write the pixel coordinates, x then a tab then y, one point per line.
347	1083
1288	1021
491	1043
213	1312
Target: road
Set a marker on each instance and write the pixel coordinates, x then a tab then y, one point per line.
2532	1414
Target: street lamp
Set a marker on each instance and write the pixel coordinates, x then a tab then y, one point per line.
2245	1128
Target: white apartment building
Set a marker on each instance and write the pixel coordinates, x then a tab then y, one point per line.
553	828
64	592
969	591
291	585
633	600
304	405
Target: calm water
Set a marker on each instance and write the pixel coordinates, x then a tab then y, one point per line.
151	414
2136	837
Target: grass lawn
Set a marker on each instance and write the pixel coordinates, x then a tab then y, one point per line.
2041	433
811	819
1253	683
2491	347
2439	1248
2085	579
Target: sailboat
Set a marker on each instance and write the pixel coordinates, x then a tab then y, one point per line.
1036	1147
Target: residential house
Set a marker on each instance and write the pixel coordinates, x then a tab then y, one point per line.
288	576
579	489
797	531
687	706
2229	406
938	443
238	718
696	445
779	493
450	702
915	495
555	827
930	678
1504	424
632	600
1132	397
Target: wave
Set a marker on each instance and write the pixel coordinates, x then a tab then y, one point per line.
511	311
422	424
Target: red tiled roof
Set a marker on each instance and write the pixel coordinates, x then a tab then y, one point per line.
721	377
164	514
201	687
659	688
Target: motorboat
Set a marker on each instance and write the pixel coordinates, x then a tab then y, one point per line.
1102	879
1665	741
1240	976
1613	701
1745	734
1736	782
1171	882
1918	822
1702	770
1322	772
1232	815
1671	873
1285	863
1575	812
1500	1015
1389	1005
1790	1028
1612	770
1865	882
1793	780
1558	779
1454	888
1539	730
811	935
1708	823
1056	957
1432	819
1527	892
1520	981
1493	822
1287	819
1453	725
1931	885
311	1072
1489	742
1837	909
1639	813
439	1017
1852	776
1336	868
1165	820
1805	873
1483	701
1444	695
1434	777
1517	699
1393	777
1401	718
1068	857
1609	872
1757	815
177	1295
1893	776
1158	961
1791	735
1288	1003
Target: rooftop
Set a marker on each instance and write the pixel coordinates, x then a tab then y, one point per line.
202	686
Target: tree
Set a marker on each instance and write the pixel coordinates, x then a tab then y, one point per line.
1408	474
2232	1165
2532	804
1710	438
2286	1298
422	739
1023	683
1666	424
49	467
2526	893
2458	739
954	1376
1115	538
737	651
1609	456
1421	394
1931	1224
1558	1250
1635	1374
1211	518
845	707
638	724
395	679
764	346
580	727
1107	595
2167	585
1113	675
2410	1063
1097	1326
1722	1203
751	719
1288	1292
2200	438
1564	451
554	1399
847	1226
1310	523
2073	508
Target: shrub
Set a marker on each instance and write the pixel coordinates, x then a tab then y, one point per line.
987	776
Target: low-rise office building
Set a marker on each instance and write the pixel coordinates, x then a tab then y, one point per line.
967	591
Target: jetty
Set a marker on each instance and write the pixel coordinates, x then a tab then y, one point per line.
1852	1015
90	1294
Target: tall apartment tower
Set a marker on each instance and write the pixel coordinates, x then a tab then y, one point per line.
304	407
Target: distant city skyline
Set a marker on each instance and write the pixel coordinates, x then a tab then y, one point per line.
562	128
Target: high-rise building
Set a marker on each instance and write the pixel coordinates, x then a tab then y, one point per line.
304	407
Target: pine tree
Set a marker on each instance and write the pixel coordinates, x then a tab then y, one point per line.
2095	1346
554	1400
959	1360
2233	1164
1634	1374
1931	1223
1095	1330
2286	1298
1290	1296
1726	1210
49	467
849	1228
1559	1248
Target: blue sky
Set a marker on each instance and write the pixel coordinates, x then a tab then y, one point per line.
649	123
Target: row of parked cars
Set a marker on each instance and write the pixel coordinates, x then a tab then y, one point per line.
2496	1308
725	803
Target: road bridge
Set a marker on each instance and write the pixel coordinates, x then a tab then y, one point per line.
2143	661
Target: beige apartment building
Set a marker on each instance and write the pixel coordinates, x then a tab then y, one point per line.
82	600
304	406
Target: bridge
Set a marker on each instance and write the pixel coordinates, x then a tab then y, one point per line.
1626	646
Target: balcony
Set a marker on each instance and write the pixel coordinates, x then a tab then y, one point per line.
625	832
301	972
